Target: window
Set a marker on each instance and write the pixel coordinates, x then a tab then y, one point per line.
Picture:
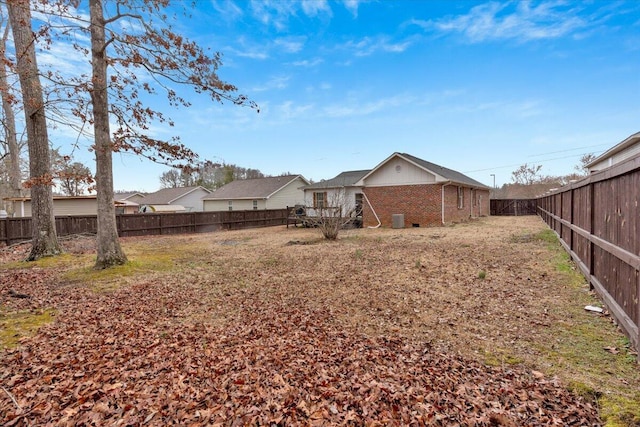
320	200
255	205
230	205
460	197
474	197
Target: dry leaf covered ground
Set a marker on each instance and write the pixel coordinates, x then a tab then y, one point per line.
475	324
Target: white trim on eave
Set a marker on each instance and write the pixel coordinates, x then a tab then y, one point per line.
629	141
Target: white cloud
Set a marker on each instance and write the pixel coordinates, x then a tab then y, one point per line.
366	108
290	44
290	111
308	63
279	82
352	6
370	45
494	21
227	9
276	13
273	12
524	109
315	7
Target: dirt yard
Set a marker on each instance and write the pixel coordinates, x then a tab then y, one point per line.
475	324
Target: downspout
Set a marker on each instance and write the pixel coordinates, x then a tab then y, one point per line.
444	185
374	212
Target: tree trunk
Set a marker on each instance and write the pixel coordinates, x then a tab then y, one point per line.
45	240
108	246
15	179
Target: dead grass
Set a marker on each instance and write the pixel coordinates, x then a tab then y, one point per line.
498	290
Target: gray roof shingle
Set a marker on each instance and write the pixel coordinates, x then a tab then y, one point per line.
258	188
345	179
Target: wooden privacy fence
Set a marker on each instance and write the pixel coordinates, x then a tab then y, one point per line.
19	229
513	207
598	222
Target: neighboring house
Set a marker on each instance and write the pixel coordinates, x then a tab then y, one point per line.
423	193
126	207
190	198
63	206
343	191
627	149
275	192
128	203
130	196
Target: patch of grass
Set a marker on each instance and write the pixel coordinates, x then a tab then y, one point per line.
547	235
619	411
482	275
577	352
500	357
17	325
358	254
109	279
64	260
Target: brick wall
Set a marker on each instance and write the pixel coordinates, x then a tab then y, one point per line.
421	204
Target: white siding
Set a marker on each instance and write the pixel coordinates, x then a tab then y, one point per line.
238	205
63	207
335	197
290	195
75	207
399	172
623	155
192	202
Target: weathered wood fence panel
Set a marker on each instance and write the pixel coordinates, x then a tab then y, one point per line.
598	222
19	229
512	207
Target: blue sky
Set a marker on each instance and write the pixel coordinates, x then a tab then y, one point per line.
479	87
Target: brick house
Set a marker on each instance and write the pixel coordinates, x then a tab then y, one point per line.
426	194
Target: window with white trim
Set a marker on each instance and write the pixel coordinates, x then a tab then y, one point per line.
460	197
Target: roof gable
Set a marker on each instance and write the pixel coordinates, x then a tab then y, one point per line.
166	196
441	173
258	188
128	195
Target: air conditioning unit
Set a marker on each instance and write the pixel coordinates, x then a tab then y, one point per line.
397	221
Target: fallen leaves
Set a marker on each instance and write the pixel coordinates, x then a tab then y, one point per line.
279	365
275	334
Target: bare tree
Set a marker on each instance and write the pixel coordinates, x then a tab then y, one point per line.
585	159
527	175
331	212
9	122
110	252
134	38
170	179
45	240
